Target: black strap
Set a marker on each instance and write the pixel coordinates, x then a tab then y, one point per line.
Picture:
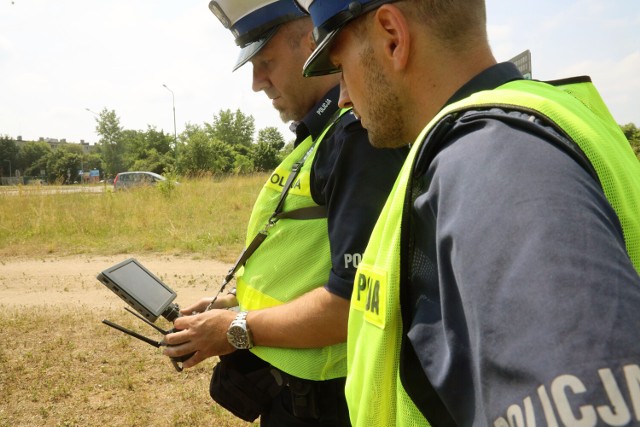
311	212
244	255
295	170
262	234
275	216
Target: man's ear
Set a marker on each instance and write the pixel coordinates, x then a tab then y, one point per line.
392	29
309	43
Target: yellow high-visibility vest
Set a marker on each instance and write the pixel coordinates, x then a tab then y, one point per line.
374	392
294	259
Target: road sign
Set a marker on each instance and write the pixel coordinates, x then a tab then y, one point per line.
523	62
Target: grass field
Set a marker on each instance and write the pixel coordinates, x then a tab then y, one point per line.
202	216
62	367
65	369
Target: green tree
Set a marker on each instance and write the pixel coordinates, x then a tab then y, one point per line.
287	149
265	153
151	147
272	137
8	155
64	163
196	156
112	143
224	157
265	157
33	157
93	161
201	153
234	129
633	135
134	148
154	162
243	164
158	141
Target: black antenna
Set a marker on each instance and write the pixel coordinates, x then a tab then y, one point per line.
154	343
153	325
176	361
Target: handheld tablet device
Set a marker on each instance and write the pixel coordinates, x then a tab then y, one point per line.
141	289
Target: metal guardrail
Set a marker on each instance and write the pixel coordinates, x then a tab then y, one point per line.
11	181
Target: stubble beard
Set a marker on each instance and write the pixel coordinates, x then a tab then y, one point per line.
293	113
287	116
385	121
284	116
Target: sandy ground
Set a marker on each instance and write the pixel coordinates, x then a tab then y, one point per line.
60	281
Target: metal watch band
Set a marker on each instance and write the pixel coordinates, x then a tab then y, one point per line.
238	333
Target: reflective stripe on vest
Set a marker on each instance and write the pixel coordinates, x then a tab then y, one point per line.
294	259
374	392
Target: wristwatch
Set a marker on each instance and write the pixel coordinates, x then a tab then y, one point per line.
238	334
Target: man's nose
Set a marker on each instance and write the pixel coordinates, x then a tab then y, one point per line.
260	82
344	101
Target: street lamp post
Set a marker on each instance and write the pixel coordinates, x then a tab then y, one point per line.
82	158
175	135
93	112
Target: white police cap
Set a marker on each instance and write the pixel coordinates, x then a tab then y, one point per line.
329	17
253	22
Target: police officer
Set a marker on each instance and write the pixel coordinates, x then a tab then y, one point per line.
294	290
500	285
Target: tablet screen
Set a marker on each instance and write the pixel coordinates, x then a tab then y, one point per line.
142	286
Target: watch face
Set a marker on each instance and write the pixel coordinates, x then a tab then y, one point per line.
238	337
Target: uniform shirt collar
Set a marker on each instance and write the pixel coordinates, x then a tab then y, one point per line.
316	119
491	78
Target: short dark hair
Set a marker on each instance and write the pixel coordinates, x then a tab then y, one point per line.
455	22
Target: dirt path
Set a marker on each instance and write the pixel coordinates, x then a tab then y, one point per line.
59	281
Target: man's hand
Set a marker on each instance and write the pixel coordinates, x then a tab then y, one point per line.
316	319
204	334
223	301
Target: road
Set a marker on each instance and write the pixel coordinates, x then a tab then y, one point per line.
12	190
71	280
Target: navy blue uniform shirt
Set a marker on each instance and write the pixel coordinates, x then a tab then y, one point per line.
521	304
353	180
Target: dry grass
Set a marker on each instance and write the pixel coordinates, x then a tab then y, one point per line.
59	366
202	216
64	368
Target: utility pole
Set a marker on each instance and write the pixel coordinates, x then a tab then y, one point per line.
175	135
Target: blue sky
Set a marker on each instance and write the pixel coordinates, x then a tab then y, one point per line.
59	57
567	38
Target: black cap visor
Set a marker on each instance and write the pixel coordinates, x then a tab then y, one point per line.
319	64
251	49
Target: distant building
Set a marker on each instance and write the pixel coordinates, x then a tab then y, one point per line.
55	143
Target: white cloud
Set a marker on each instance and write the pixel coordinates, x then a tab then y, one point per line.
117	55
577	37
6	47
502	41
59	57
